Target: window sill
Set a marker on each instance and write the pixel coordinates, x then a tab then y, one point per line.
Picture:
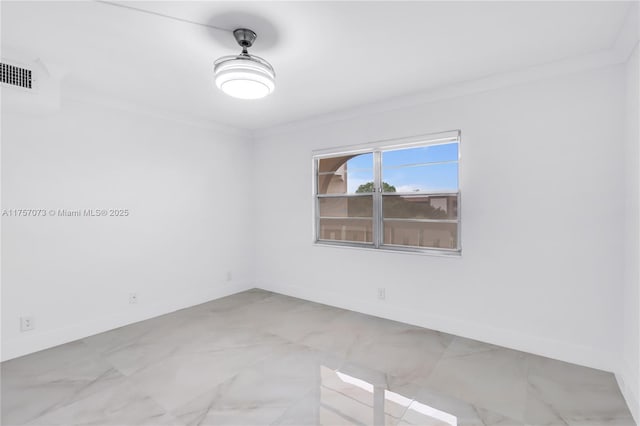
388	249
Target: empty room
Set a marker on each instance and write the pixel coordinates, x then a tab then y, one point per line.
320	213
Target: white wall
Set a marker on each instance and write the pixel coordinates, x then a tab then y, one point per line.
629	370
543	200
185	185
540	175
550	220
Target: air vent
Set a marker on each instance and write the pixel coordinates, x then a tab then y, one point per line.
15	76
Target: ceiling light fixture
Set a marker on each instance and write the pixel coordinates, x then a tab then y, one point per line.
244	76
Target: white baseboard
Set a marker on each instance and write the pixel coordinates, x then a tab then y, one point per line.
38	340
563	351
624	376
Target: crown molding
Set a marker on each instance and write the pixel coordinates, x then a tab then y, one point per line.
70	92
582	63
87	98
618	53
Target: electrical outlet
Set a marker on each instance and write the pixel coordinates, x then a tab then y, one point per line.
26	324
382	293
229	276
133	298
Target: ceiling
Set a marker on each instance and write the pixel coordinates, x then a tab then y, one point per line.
328	56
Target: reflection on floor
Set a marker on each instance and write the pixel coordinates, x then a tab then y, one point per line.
345	399
263	358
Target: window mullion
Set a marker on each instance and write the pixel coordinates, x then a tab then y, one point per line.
377	199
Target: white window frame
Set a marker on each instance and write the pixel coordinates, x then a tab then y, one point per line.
376	148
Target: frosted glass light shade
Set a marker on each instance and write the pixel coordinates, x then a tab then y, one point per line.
244	76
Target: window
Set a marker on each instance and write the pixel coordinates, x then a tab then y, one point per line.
400	195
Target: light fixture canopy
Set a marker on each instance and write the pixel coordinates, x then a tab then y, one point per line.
244	76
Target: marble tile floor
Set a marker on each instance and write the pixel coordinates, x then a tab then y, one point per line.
259	358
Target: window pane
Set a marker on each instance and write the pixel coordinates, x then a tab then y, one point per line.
421	234
346	174
420	155
420	207
346	207
434	177
357	230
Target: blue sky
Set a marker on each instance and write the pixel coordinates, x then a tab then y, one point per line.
433	177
